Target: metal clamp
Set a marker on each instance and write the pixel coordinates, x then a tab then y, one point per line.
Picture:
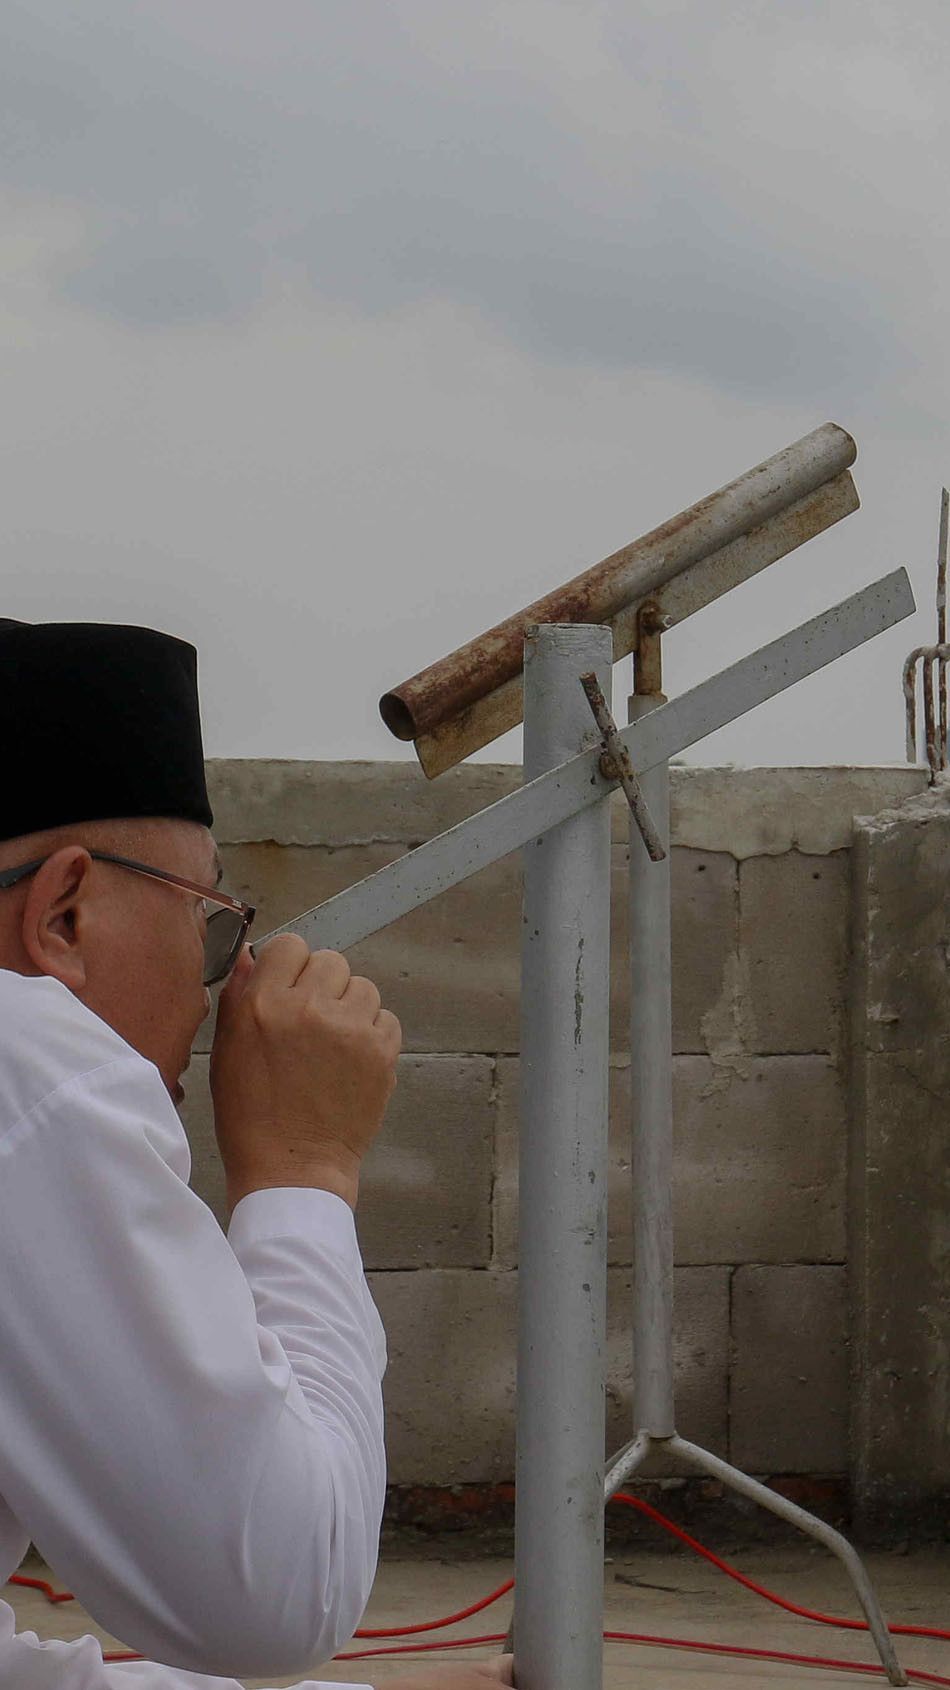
615	765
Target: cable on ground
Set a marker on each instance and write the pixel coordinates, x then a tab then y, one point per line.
643	1639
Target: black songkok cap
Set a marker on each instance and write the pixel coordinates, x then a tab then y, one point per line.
101	721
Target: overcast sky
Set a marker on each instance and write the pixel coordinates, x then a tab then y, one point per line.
336	330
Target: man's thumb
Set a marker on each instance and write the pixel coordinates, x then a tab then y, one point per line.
233	991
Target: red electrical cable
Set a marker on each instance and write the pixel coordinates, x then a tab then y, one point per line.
761	1589
47	1589
424	1648
826	1662
644	1638
640	1638
450	1619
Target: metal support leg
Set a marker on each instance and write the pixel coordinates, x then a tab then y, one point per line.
559	1523
808	1523
651	1045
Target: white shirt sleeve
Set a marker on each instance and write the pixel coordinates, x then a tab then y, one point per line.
28	1664
190	1426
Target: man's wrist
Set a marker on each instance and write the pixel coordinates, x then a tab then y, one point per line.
323	1176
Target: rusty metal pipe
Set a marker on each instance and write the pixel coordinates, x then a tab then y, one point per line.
701	583
600	594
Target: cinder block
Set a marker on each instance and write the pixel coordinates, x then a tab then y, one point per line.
450	970
766	812
789	1396
759	1162
297	802
705	938
748	812
425	1192
450	1387
793	921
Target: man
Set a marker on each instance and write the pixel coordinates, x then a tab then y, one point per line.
190	1425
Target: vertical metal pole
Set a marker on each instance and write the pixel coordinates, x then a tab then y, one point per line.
942	618
651	1065
559	1523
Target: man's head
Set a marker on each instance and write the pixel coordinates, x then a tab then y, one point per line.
105	723
128	946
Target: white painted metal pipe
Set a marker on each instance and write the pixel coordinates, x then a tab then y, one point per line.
651	1078
562	1275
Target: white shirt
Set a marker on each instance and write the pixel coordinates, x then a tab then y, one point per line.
191	1426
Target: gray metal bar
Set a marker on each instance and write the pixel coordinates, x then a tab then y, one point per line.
626	1462
562	1239
422	874
616	765
738	1481
651	1058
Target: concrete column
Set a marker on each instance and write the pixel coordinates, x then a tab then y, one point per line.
899	1196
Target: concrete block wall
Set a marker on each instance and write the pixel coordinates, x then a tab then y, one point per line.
763	1017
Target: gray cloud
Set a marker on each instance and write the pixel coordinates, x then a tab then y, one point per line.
690	201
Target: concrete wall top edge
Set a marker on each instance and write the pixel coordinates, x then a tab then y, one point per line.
742	812
920	806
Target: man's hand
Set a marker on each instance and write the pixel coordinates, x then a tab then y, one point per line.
471	1677
302	1068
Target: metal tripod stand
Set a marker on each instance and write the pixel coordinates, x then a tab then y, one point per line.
652	1167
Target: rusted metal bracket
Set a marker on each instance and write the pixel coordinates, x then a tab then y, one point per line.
922	660
615	764
652	624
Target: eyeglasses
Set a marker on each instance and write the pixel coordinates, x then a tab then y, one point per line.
226	927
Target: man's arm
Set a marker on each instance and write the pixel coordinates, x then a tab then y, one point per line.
196	1449
29	1665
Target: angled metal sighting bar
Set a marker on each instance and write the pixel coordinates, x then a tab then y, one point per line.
551	798
543	661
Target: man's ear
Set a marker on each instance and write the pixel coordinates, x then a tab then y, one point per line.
54	916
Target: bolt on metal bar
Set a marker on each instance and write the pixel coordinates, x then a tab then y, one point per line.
562	1208
453	856
615	764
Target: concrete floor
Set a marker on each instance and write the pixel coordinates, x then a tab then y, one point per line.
669	1594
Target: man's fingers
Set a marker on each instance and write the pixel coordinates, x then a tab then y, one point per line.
237	979
502	1670
327	973
362	995
387	1024
280	963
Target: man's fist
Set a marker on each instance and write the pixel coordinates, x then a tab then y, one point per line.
302	1068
